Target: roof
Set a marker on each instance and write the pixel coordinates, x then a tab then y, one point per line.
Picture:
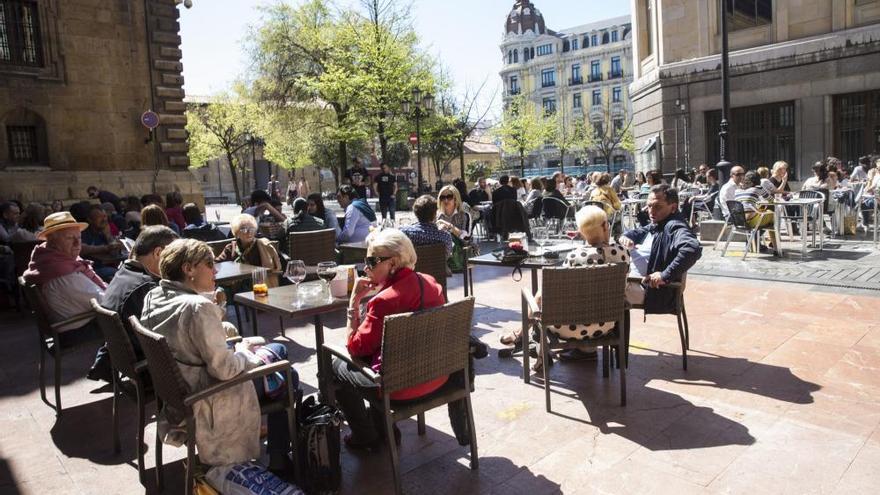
593	26
481	148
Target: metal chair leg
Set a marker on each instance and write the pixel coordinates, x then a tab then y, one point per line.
57	382
160	481
421	423
475	459
726	244
116	447
681	335
392	446
141	424
718	240
42	372
190	455
622	384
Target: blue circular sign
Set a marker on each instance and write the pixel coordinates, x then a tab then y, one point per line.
150	119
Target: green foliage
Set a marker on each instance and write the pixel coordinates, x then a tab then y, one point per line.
475	169
613	132
523	129
398	155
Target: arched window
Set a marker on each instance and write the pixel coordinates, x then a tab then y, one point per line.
509	57
586	42
515	56
25	135
605	38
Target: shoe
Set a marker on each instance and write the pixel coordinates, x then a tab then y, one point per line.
511	338
578	355
370	446
101	373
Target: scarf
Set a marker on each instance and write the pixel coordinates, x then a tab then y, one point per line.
47	264
364	208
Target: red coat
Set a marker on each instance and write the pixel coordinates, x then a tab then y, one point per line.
400	295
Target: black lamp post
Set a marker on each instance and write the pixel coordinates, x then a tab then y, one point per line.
724	165
420	106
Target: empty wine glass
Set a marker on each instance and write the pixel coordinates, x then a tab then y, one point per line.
327	272
540	236
296	273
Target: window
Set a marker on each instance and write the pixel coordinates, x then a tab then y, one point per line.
599	133
22	143
509	57
548	78
856	125
615	94
586	42
514	85
515	56
613	36
574	44
743	14
760	135
566	46
545	50
576	74
576	100
605	38
20	33
549	105
595	71
649	27
594	40
615	68
618	126
597	97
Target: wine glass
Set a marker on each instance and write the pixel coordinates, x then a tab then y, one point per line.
570	229
327	272
296	273
540	236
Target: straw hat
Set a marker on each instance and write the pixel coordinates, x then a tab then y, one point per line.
59	221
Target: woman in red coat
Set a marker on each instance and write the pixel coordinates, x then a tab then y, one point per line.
389	267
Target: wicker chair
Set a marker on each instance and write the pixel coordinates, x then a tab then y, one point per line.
431	260
21	255
217	246
416	348
313	247
173	392
578	296
50	343
680	315
124	361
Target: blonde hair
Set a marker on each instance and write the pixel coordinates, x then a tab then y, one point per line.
590	220
182	252
394	244
456	197
763	172
238	222
778	165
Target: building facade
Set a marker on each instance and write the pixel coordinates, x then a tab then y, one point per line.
804	81
578	73
76	76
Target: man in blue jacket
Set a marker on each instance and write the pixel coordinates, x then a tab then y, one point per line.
662	252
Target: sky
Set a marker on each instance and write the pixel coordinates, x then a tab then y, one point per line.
463	35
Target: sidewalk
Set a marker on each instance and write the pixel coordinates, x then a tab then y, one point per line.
782	395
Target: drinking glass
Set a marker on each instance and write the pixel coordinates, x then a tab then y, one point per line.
540	236
217	214
327	272
261	277
296	273
570	229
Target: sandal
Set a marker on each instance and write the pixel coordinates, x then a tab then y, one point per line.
512	337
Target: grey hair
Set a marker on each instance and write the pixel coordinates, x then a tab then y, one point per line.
152	237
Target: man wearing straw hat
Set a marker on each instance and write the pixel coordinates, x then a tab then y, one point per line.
67	281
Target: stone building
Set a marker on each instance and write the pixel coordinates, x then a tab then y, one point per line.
572	72
805	81
75	78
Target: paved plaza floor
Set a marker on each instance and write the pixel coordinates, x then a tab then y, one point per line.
781	395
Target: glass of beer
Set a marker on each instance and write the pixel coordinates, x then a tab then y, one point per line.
260	278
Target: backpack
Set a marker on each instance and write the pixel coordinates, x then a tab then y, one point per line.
318	446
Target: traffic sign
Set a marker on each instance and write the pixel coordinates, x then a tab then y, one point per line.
413	138
150	119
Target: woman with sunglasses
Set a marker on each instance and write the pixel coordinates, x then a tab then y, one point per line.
389	267
451	217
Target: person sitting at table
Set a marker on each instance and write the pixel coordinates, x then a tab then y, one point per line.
680	180
317	210
603	193
537	188
31	223
173	209
550	191
594	227
261	206
480	193
504	191
757	217
301	221
389	268
728	190
872	183
453	219
98	243
426	230
517	185
227	423
196	226
247	248
618	183
358	216
860	172
154	214
67	282
661	252
818	181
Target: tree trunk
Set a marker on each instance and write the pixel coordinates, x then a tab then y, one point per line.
343	157
234	178
461	160
608	163
383	141
562	161
522	164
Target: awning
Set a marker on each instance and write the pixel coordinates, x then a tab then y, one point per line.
650	144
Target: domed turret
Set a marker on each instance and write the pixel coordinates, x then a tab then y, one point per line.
525	17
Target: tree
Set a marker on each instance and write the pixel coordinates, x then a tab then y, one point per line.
522	129
613	132
221	128
566	134
467	119
476	169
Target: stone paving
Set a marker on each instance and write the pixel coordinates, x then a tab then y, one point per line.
781	395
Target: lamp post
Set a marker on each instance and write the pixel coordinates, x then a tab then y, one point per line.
420	106
724	165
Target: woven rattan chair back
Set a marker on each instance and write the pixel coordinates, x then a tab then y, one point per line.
418	347
167	381
580	296
38	305
313	247
122	353
217	246
431	260
738	215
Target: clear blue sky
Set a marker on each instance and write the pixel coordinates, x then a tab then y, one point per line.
463	34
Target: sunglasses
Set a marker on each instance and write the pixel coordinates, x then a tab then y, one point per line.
370	262
446	196
247	230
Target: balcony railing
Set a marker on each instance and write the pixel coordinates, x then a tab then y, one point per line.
595	77
574	81
548	84
615	74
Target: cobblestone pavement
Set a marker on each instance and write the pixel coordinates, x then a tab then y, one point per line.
782	395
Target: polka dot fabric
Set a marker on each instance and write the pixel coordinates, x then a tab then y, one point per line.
590	256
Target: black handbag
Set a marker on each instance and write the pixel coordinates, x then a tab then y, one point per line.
514	257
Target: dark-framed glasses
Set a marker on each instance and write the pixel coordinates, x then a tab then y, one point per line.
371	261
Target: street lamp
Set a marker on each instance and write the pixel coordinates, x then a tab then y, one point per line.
420	106
724	165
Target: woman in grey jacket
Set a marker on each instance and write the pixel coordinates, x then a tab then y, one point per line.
228	423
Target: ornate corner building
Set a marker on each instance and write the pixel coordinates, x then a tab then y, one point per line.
75	78
804	79
580	72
